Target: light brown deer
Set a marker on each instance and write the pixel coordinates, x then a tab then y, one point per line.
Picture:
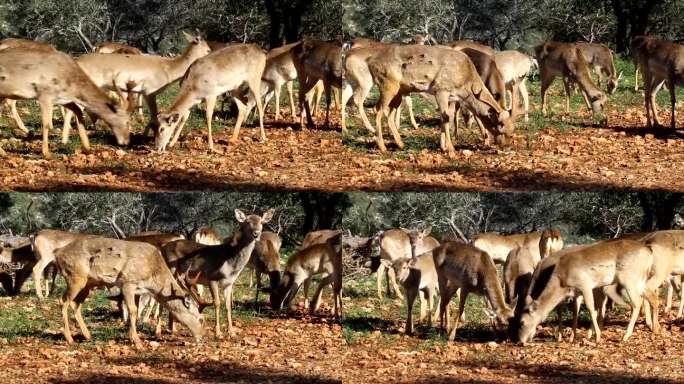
462	266
498	247
566	61
418	275
315	61
397	245
114	47
317	259
447	74
515	67
600	58
462	44
148	75
92	262
266	259
206	236
217	266
54	78
221	71
662	63
625	263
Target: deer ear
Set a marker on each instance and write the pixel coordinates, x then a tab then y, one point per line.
190	38
427	230
268	215
240	216
514	302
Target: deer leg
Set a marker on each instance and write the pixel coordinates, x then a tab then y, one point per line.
214	287
568	93
290	95
347	93
409	107
307	284
315	303
258	285
80	124
14	114
254	87
431	304
46	117
387	93
673	101
411	293
228	298
19	279
391	122
423	305
328	100
461	308
588	295
668	300
304	88
38	271
636	78
128	292
151	101
73	288
636	300
179	129
392	278
80	298
546	83
378	279
242	109
447	115
681	300
526	99
209	113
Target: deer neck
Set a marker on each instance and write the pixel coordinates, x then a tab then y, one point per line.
493	290
552	294
584	80
177	66
241	247
93	99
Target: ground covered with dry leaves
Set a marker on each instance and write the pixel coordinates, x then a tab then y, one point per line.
368	346
560	152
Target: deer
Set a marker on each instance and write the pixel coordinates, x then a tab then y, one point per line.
418	275
90	262
219	72
357	83
397	245
265	258
600	57
314	61
12	104
52	77
462	44
662	63
217	266
521	262
206	236
114	47
515	67
498	247
447	74
302	266
566	60
462	266
624	263
334	238
148	75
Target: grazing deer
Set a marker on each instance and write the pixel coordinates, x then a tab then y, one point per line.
498	247
600	58
148	75
396	245
302	266
217	266
221	71
26	44
266	259
53	77
91	262
334	238
357	83
624	263
315	61
515	67
661	62
418	275
521	262
447	74
462	266
566	60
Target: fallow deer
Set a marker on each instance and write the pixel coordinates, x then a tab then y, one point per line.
447	74
462	266
396	245
334	238
206	236
217	266
114	47
315	61
92	262
302	266
418	275
498	247
600	58
566	60
624	263
219	72
54	78
462	44
266	259
515	67
148	75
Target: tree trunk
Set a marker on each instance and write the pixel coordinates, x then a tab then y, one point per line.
659	210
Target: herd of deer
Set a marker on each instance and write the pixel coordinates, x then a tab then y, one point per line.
459	75
539	274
